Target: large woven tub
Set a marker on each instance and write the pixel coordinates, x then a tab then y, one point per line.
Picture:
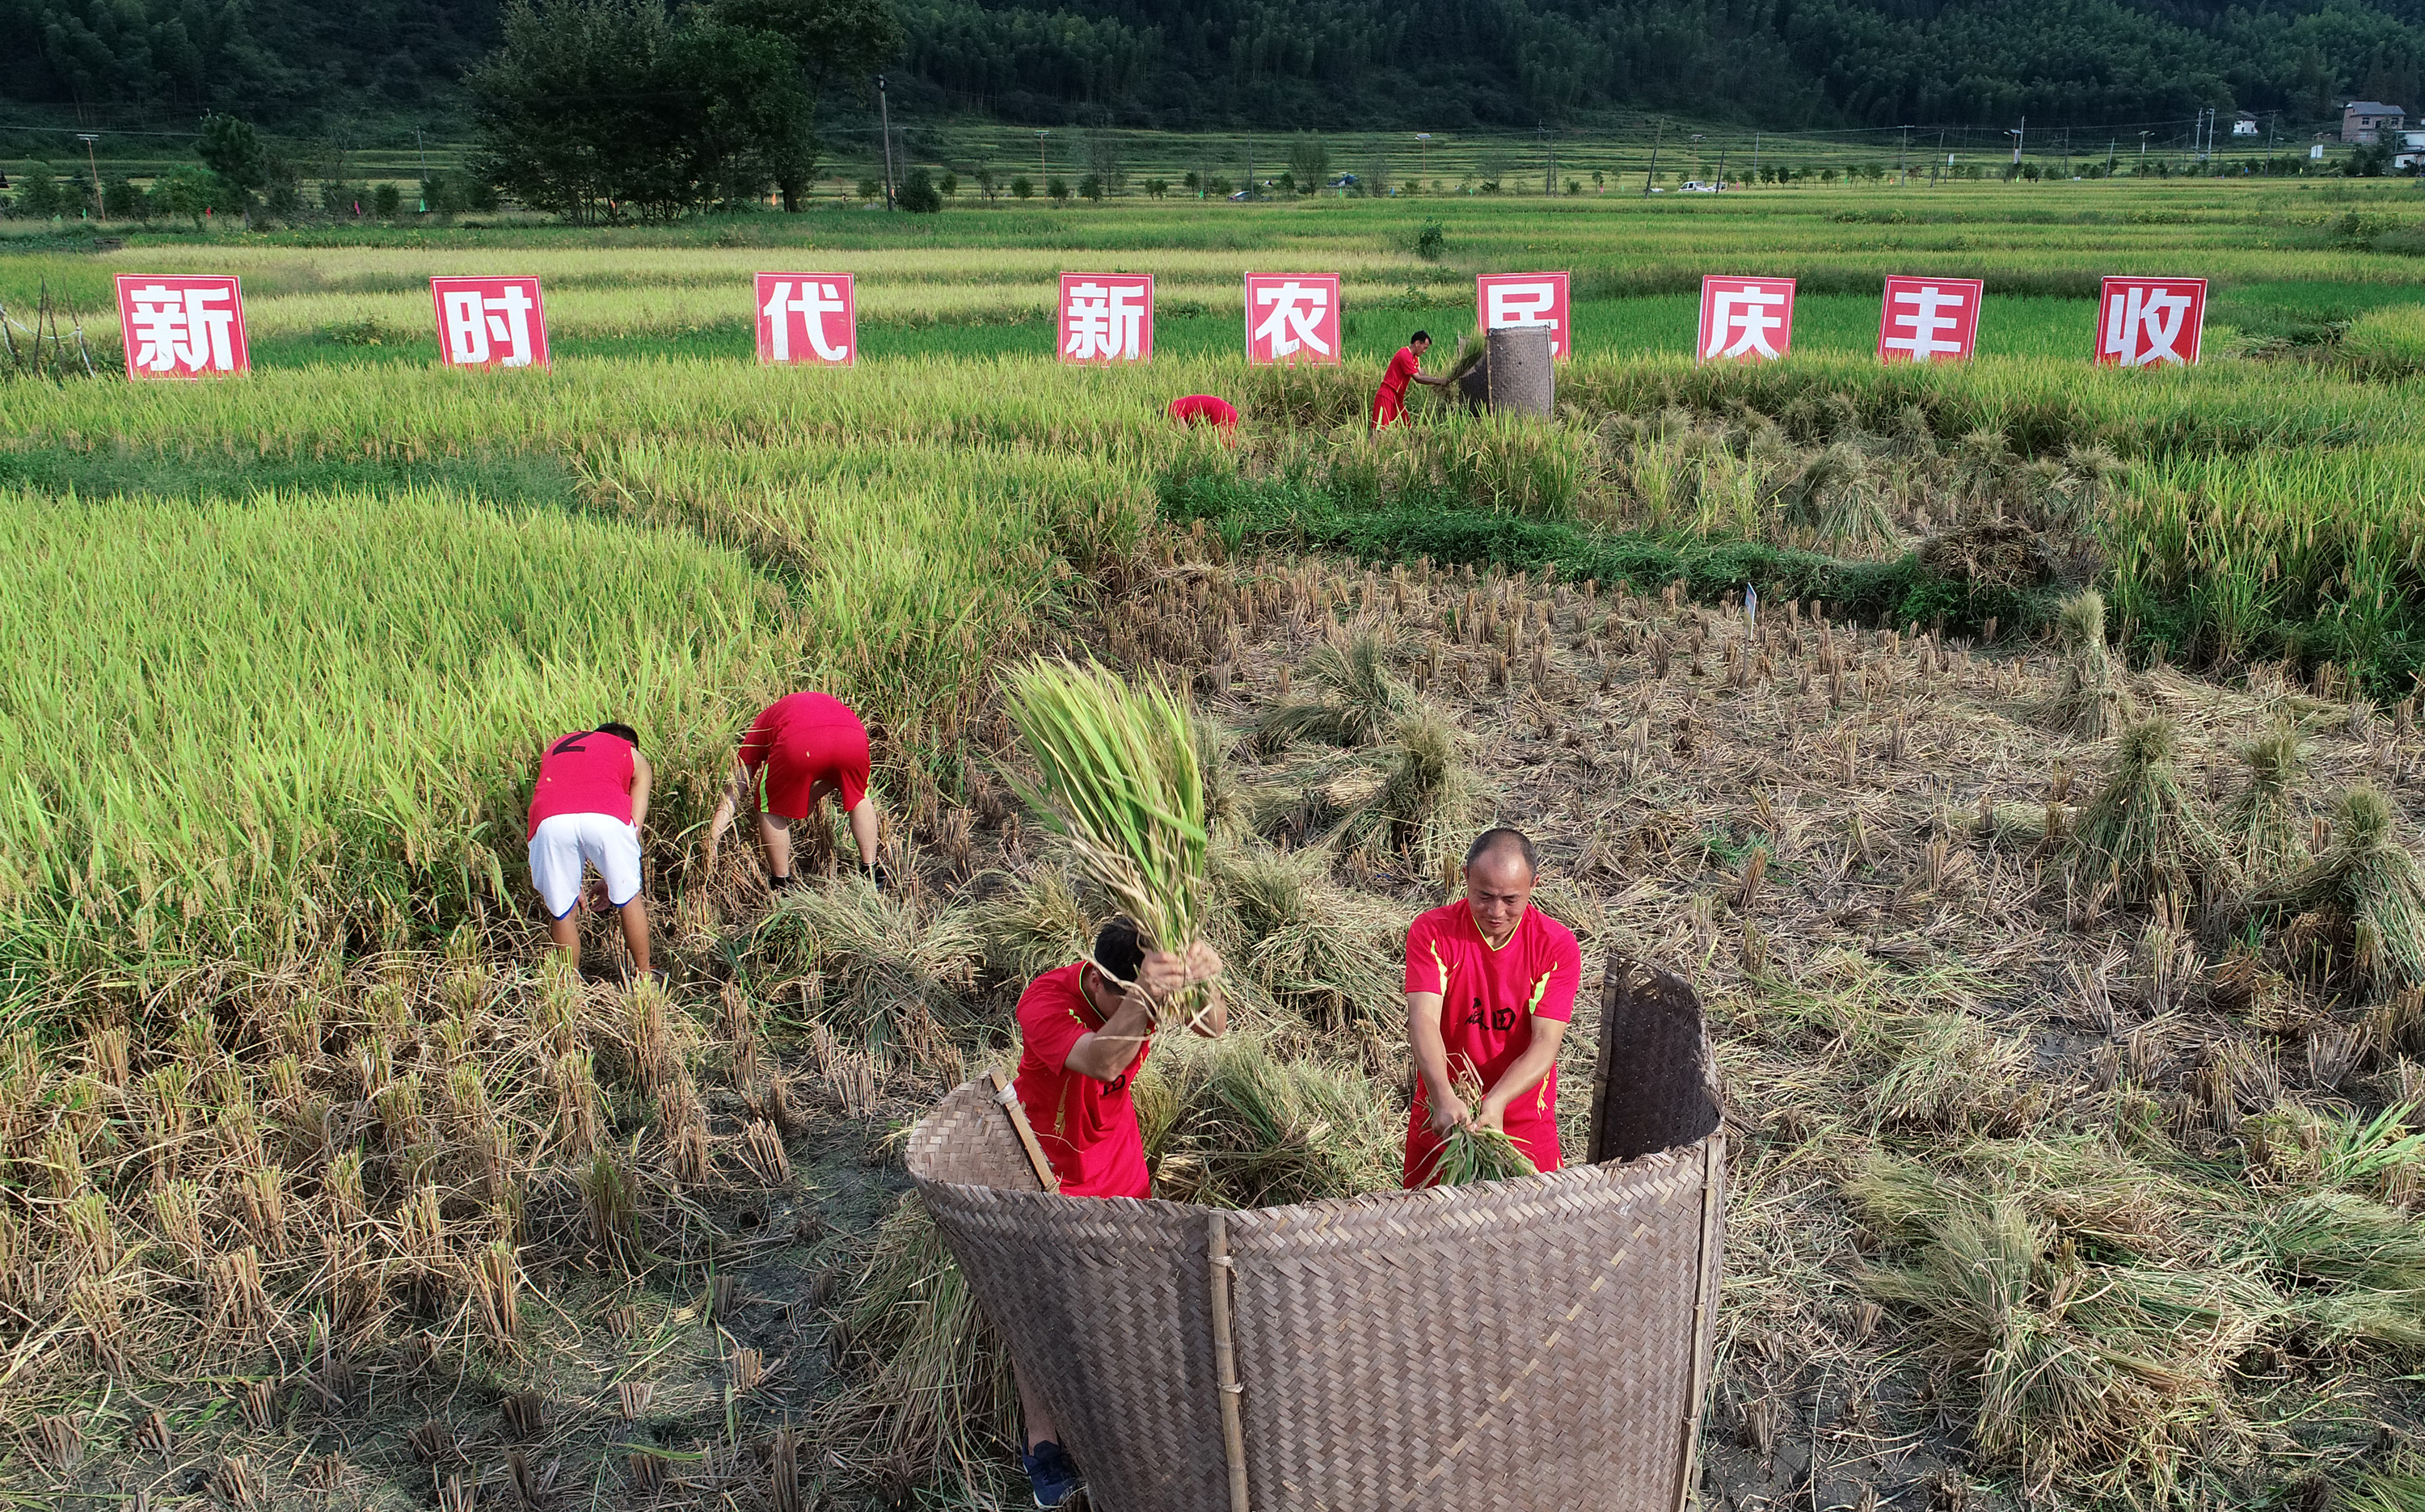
1534	1343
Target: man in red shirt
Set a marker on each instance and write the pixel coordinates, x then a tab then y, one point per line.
1205	409
1389	401
1490	984
1084	1029
803	749
585	810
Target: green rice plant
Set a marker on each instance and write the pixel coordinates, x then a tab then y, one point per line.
2368	891
2385	344
1948	1068
932	1390
2349	1268
1471	1153
2399	1488
880	957
1119	776
2262	821
1253	1130
2093	700
1366	699
2141	832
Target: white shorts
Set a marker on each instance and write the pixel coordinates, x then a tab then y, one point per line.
562	843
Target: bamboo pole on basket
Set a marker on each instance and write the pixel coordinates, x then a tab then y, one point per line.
1713	1156
1225	1359
1007	1095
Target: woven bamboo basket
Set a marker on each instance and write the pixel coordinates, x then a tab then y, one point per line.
1542	1342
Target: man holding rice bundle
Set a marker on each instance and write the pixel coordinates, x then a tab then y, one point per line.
1085	1029
801	750
1491	986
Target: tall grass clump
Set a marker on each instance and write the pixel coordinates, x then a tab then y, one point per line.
2092	701
879	959
1119	776
2365	892
2261	820
2141	833
1312	949
1364	697
1244	1127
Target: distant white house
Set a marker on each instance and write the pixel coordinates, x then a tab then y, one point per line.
2411	154
2245	125
2363	121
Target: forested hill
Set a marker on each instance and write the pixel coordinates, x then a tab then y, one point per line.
1331	63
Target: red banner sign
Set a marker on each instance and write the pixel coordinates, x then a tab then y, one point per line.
178	326
1929	320
1106	317
1745	320
489	323
2149	322
1293	317
1504	299
807	317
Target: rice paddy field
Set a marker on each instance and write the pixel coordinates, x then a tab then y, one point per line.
2044	851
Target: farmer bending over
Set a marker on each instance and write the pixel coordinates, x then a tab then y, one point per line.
1205	409
1085	1029
1390	400
1490	984
803	749
585	810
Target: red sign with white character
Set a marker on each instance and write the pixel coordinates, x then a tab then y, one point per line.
489	323
1504	299
181	326
2145	322
807	317
1926	320
1293	317
1745	320
1106	317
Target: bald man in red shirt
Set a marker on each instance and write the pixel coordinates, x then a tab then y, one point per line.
1491	986
1390	400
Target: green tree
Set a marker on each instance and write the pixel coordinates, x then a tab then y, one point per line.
189	189
386	201
1058	190
919	196
121	200
569	112
1091	187
829	40
949	185
39	196
1023	188
231	149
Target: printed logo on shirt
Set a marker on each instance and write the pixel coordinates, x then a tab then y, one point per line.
1501	1019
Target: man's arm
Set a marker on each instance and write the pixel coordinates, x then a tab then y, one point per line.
1447	1110
642	775
1107	1052
1525	1075
1437	383
738	791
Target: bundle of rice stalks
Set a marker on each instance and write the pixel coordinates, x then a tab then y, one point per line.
2105	1375
1225	798
1424	800
1119	768
2367	893
2093	702
2260	821
1252	1130
1472	1154
1311	949
880	959
934	1393
2141	832
1036	925
1365	698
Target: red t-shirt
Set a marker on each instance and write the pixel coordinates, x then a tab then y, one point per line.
1088	1128
1400	372
803	739
1205	409
1490	998
589	771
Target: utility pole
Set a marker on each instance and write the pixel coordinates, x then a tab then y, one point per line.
884	109
1755	157
1251	195
1902	160
2018	138
1549	161
1939	160
88	139
2108	155
422	154
1722	168
1652	171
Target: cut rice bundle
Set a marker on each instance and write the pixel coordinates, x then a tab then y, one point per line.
1472	1154
1121	780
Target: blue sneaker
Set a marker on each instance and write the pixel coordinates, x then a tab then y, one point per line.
1052	1476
